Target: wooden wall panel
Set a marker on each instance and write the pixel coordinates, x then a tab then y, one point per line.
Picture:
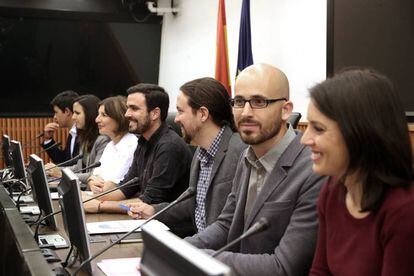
24	130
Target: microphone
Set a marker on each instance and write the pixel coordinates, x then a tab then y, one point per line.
259	226
76	158
190	192
132	181
29	143
57	144
94	165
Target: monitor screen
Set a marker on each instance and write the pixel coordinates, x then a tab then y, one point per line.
41	194
74	216
19	172
6	153
166	254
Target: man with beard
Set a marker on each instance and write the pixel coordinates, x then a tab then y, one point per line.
162	159
206	119
274	180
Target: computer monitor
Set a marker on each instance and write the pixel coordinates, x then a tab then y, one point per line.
41	194
5	148
19	171
74	216
166	254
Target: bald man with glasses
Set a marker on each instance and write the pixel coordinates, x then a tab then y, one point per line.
274	179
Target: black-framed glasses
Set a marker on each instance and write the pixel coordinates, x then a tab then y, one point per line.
255	103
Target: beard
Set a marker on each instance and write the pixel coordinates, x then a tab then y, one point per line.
187	138
141	125
189	133
250	138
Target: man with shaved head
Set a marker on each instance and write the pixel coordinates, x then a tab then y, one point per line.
273	180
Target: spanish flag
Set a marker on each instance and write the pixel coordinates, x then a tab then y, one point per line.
222	56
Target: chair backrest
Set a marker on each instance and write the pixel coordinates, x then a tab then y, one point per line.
294	119
172	124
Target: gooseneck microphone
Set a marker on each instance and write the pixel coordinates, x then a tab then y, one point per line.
94	165
29	143
76	158
56	144
190	192
259	226
130	182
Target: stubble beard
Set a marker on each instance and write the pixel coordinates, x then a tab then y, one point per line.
263	135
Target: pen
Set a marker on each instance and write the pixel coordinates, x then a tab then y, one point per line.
124	207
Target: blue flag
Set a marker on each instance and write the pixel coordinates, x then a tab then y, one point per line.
245	57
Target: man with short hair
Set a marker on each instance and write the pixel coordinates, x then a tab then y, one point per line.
62	105
274	180
161	161
206	119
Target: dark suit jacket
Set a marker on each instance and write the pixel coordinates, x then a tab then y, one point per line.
288	200
221	179
58	155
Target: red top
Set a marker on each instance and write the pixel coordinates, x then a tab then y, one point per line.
380	244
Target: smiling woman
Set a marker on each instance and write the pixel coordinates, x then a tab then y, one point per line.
357	132
119	152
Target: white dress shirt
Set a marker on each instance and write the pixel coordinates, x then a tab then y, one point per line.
116	159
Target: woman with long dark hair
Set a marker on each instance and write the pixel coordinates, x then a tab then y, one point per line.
92	145
358	135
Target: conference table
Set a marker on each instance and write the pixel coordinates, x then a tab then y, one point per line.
18	247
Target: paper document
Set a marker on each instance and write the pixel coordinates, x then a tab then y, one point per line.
120	226
120	267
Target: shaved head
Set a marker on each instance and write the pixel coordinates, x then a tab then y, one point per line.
265	77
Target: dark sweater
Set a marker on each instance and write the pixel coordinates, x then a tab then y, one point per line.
379	244
162	165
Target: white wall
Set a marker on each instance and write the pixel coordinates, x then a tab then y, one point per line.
289	34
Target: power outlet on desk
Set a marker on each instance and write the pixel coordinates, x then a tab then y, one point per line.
52	241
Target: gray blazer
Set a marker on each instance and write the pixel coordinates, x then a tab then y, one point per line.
288	200
94	156
221	179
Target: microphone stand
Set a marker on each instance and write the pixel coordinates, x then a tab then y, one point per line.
76	158
29	144
187	194
260	225
94	165
57	144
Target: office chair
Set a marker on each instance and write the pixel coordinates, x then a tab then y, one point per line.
294	119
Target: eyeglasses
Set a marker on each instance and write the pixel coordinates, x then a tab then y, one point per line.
255	103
